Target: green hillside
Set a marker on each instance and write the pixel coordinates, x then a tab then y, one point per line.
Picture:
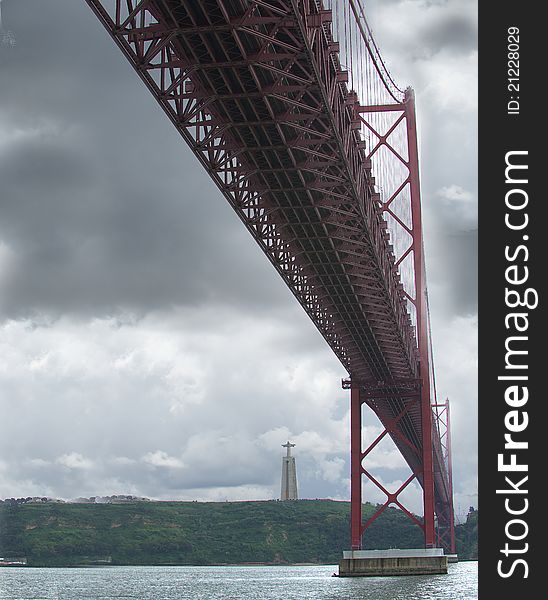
192	533
467	537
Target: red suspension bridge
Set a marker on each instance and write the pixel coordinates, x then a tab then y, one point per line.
289	107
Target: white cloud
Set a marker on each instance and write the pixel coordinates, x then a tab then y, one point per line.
460	206
271	439
385	454
159	458
332	469
457	194
74	460
451	86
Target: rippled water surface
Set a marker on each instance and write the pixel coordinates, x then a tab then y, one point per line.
216	583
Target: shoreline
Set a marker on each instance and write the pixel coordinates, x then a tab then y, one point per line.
104	566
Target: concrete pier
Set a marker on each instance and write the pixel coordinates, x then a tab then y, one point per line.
386	563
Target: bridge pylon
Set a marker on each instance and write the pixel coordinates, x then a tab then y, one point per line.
396	402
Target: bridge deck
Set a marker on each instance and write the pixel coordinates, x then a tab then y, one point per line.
257	91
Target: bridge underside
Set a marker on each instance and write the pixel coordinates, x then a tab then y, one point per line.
257	91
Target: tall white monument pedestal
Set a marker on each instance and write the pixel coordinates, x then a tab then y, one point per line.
289	475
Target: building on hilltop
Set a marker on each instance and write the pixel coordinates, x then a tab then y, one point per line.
289	475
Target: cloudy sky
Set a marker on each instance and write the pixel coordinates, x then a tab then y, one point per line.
146	344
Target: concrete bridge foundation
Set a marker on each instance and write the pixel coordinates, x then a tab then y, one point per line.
387	563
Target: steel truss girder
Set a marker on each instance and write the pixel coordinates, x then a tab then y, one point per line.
257	91
176	75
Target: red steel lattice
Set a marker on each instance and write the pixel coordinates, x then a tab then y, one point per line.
257	90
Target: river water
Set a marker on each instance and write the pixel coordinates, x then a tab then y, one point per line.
231	583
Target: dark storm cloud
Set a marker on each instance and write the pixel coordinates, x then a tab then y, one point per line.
452	242
86	240
104	209
423	29
454	33
460	258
